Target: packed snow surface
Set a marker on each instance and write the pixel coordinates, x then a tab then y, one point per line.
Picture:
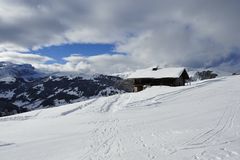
159	73
195	122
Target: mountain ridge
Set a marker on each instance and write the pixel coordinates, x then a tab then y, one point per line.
24	87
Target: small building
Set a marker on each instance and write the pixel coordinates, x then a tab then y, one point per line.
158	76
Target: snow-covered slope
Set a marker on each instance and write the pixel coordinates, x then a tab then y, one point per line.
197	122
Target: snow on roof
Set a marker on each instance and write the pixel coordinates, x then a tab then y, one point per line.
159	73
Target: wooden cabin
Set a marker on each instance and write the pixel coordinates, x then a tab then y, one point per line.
158	76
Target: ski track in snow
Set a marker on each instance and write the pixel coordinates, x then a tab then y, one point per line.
153	101
213	138
222	126
102	139
115	135
105	136
4	144
204	140
20	117
78	108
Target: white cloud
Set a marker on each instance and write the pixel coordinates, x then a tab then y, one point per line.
16	57
165	32
104	63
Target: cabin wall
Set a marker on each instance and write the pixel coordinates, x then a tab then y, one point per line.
179	82
138	88
163	81
141	82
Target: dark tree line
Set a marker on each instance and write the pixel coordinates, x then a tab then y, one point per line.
204	75
7	109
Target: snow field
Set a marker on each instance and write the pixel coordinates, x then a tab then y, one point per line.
195	122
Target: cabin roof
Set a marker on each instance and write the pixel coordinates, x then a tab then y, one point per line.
159	73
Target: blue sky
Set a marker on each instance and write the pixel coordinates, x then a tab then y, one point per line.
57	52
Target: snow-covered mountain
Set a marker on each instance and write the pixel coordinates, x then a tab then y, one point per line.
9	71
23	88
195	122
